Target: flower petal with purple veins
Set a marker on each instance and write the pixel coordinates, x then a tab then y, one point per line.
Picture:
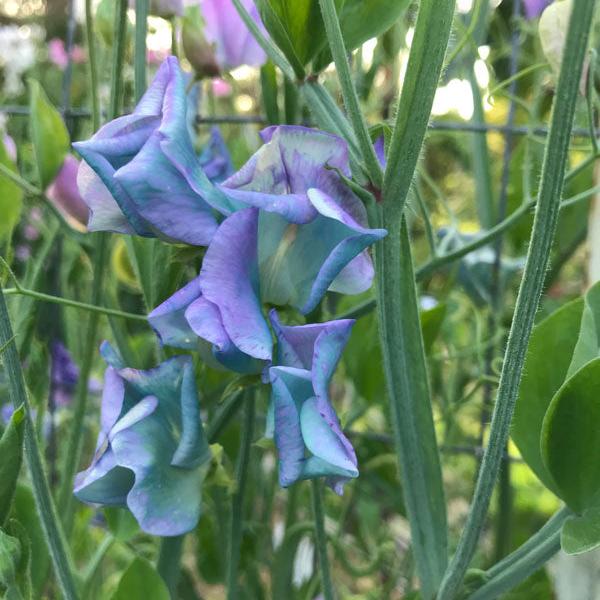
307	432
151	451
149	170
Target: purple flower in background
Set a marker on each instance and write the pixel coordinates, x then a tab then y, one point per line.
306	429
534	8
140	174
64	374
297	232
64	193
151	451
234	44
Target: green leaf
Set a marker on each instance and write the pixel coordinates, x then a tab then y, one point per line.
296	27
25	510
588	342
121	522
581	534
48	133
11	456
570	440
141	582
11	197
361	21
10	559
546	365
431	324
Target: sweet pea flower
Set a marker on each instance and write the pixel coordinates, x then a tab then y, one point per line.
10	147
64	193
64	374
151	451
307	432
140	174
233	42
296	231
534	8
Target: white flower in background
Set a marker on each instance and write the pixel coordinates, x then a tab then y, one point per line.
18	48
303	562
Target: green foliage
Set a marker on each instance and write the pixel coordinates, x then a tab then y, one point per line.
11	456
546	366
296	27
11	197
581	533
570	440
48	133
15	566
141	582
362	20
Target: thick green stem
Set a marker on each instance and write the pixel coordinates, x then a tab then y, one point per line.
398	311
53	533
237	502
340	56
321	540
425	62
169	562
544	228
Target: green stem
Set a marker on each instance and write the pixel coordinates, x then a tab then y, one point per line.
425	62
169	562
553	525
530	291
340	57
520	569
93	63
116	89
77	429
237	502
271	50
101	310
53	533
321	540
141	26
398	311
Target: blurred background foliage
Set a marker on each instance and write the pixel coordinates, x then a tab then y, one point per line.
465	311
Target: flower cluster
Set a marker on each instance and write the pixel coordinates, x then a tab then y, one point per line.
282	231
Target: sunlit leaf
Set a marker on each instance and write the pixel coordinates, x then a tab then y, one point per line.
141	582
48	133
570	440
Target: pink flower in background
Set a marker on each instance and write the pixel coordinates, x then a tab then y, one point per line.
64	193
234	44
57	53
10	147
534	8
221	88
156	57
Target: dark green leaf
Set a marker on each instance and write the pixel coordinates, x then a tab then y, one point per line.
296	27
362	20
11	197
581	534
141	582
11	455
268	84
10	559
570	440
546	366
48	133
